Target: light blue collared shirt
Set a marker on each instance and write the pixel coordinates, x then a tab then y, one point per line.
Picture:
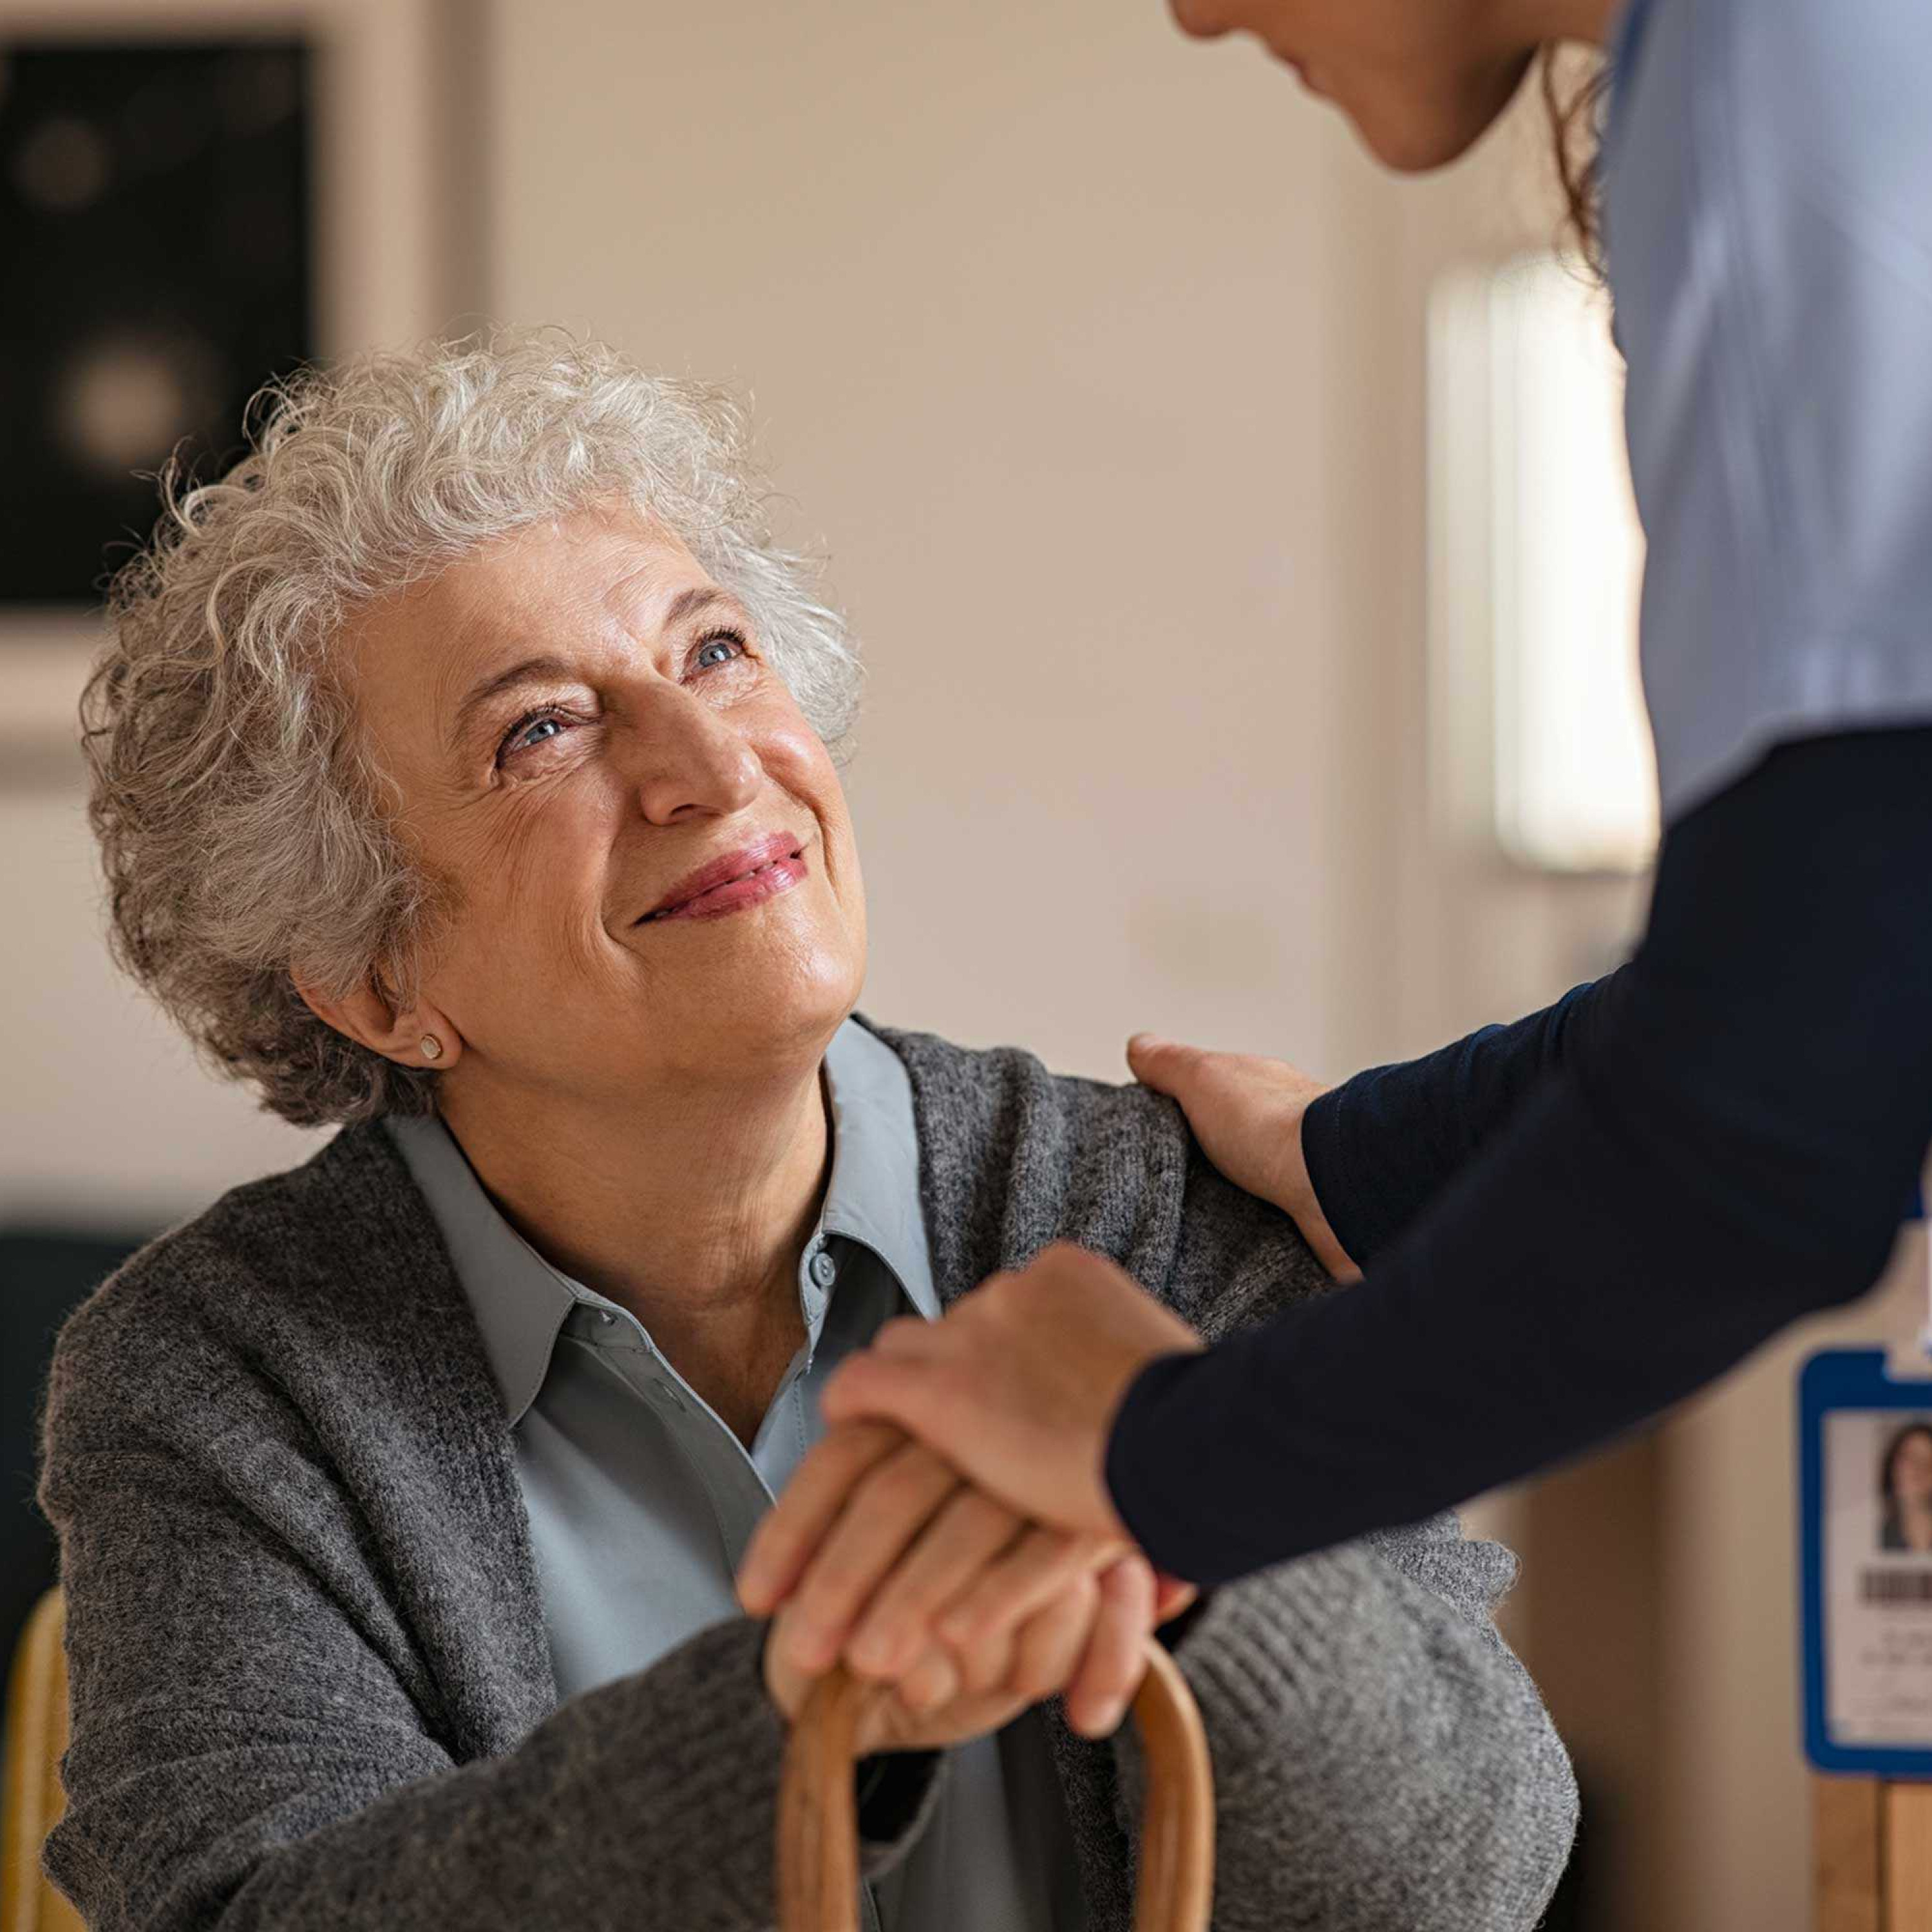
641	1500
1768	190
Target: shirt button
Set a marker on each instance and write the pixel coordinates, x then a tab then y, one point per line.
824	1269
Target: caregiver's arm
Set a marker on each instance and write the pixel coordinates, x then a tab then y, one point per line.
1379	1147
1354	1164
1381	1761
1731	1145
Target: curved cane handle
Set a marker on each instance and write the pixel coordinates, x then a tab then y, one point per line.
818	1831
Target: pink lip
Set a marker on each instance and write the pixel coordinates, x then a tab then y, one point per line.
746	878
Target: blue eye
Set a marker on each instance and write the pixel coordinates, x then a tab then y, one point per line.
729	643
521	735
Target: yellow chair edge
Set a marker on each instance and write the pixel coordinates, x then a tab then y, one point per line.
37	1734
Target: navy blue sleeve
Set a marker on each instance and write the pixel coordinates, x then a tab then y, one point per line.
1380	1147
1731	1145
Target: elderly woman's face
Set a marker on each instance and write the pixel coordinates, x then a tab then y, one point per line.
653	869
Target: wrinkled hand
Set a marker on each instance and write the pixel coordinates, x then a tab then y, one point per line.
959	1612
1246	1112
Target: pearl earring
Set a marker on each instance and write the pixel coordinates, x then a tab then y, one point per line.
432	1047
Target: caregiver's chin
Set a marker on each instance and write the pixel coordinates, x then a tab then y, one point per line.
1422	80
651	920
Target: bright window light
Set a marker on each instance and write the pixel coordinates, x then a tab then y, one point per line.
1539	558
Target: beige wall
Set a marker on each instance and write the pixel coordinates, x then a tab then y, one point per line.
105	1113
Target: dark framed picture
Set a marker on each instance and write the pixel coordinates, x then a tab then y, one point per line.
192	199
156	249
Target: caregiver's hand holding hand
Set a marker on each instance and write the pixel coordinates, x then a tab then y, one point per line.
877	1536
1016	1389
1246	1112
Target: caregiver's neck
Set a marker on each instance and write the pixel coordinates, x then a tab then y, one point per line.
690	1208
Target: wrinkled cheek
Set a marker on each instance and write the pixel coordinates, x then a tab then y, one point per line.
587	960
525	927
852	902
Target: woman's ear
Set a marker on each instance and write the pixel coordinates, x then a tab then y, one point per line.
418	1036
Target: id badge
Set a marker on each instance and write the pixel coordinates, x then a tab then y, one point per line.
1865	1470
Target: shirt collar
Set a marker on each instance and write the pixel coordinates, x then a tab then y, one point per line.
521	1301
873	1196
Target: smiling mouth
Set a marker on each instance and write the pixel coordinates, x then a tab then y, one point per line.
737	880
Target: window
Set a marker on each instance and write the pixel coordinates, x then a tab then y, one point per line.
1540	741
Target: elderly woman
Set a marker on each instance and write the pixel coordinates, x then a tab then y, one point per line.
463	768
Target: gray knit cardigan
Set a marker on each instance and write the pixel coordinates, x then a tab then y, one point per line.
311	1688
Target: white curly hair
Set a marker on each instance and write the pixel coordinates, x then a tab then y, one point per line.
245	830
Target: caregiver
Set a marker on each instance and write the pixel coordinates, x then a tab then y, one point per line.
1565	1225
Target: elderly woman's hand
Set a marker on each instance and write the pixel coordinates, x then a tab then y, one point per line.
957	1608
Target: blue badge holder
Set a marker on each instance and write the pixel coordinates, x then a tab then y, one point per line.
1857	1383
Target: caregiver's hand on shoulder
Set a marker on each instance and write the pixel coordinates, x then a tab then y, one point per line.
876	1537
1246	1112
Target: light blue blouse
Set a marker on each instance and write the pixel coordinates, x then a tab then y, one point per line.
1768	212
641	1500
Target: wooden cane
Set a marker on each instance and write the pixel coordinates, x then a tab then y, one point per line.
818	1835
